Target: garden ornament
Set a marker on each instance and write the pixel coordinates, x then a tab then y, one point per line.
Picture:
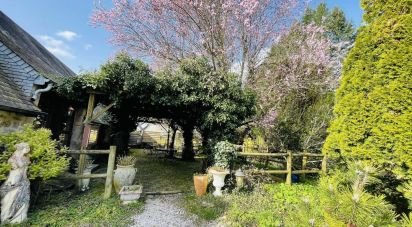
15	191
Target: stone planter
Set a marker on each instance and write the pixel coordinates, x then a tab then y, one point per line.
218	180
84	183
200	181
123	176
130	194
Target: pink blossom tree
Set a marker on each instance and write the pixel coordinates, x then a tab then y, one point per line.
294	87
225	31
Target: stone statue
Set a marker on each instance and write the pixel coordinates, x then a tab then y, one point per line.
15	191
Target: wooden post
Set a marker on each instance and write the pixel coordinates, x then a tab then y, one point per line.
289	168
110	170
304	162
85	138
324	164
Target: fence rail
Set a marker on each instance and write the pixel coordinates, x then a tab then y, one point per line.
289	163
82	164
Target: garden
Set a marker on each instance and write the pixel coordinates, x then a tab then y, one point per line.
315	132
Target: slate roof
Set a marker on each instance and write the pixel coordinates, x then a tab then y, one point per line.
24	65
31	51
11	99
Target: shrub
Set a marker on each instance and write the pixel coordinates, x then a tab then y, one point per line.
338	199
46	162
267	205
343	200
373	111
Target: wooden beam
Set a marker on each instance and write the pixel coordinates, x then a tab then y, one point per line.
307	154
85	138
88	151
306	171
98	114
324	164
110	170
271	171
75	176
289	168
246	154
304	163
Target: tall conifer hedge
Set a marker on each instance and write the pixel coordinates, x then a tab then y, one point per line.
373	111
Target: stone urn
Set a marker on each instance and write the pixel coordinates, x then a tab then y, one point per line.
123	176
84	183
218	179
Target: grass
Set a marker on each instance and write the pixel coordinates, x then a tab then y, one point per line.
89	208
160	174
206	207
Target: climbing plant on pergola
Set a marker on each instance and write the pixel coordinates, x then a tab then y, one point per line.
193	95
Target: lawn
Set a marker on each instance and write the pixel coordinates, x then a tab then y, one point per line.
70	208
159	174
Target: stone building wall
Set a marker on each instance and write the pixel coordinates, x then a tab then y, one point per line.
10	121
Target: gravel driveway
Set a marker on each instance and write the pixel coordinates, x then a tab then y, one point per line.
165	210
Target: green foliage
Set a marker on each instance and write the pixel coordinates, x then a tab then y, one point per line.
406	189
212	99
338	199
267	205
373	112
337	27
207	207
224	154
120	78
192	96
301	122
46	161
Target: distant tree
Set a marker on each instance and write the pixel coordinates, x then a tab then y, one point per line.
226	32
338	29
373	111
293	88
335	23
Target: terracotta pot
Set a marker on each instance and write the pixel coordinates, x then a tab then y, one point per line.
200	181
123	176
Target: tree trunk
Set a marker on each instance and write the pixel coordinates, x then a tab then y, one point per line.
121	140
188	153
172	140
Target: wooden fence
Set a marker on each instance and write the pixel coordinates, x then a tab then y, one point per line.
110	168
289	156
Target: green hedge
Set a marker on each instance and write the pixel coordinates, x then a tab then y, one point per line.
373	111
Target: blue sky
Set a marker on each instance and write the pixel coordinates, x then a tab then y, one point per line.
64	28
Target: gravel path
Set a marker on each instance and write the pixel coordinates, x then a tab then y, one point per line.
165	210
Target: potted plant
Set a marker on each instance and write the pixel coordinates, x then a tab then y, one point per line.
224	155
125	172
200	180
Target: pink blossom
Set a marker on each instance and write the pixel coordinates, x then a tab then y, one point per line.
226	31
